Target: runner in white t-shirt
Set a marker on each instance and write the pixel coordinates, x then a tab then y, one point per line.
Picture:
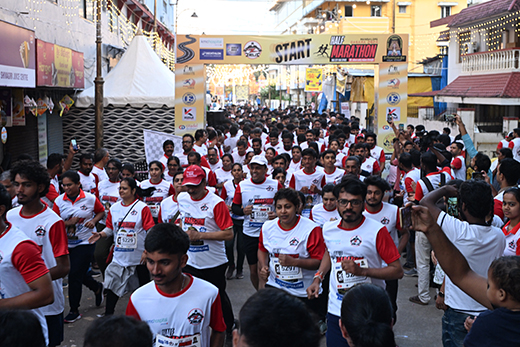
326	211
168	148
181	309
172	166
356	248
163	189
89	182
169	211
332	173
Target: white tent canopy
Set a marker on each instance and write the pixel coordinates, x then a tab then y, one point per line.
139	79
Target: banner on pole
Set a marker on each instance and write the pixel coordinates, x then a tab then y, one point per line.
313	79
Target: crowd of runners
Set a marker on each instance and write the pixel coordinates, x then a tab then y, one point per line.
327	222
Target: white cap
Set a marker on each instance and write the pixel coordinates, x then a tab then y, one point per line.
259	159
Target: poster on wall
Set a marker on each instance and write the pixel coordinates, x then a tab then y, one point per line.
18	108
6	107
58	66
313	79
17	61
345	109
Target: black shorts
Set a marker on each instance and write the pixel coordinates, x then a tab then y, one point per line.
55	328
251	249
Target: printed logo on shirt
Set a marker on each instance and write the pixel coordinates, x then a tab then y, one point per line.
40	231
315	181
83	208
195	316
269	188
294	242
133	213
385	221
204	207
512	245
194	221
356	240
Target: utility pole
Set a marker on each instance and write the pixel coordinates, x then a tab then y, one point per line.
393	16
98	82
154	23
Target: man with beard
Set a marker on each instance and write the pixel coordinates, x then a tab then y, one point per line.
206	219
187	146
54	168
168	148
88	181
356	248
179	308
388	215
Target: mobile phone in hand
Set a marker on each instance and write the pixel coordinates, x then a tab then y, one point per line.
405	217
74	144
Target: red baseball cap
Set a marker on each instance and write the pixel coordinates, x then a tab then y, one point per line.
193	175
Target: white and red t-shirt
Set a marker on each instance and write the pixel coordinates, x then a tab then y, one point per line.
435	179
514	144
502	144
512	240
209	214
498	203
370	165
85	207
411	177
183	158
227	194
458	165
21	264
223	175
260	195
129	224
211	179
53	193
108	195
184	317
339	159
302	179
202	150
369	244
379	155
164	162
168	210
295	166
303	241
89	183
215	167
163	189
99	173
47	230
334	176
388	215
320	215
168	177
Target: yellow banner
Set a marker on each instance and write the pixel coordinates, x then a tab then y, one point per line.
391	101
313	79
190	92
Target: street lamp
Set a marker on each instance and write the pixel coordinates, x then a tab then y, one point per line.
177	14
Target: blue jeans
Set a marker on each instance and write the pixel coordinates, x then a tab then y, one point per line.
334	337
453	331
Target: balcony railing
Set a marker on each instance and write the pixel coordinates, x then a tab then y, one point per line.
505	60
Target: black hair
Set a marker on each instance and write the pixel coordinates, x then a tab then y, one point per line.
86	156
379	182
241	143
444	139
429	160
213	149
278	157
158	163
328	188
515	191
287	193
458	144
21	328
71	175
234	164
296	147
33	171
139	192
416	157
5	198
353	158
482	162
99	154
166	143
447	130
130	167
506	274
178	172
271	149
271	317
372	135
406	160
411	126
199	133
233	131
366	314
517	131
506	152
227	155
274	134
351	186
118	331
288	135
194	154
277	171
53	160
167	238
328	151
311	152
212	134
116	163
175	159
190	136
510	168
256	140
477	197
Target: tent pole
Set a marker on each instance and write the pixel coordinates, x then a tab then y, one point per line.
98	82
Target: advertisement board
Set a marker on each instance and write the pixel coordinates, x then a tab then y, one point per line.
313	79
18	58
58	66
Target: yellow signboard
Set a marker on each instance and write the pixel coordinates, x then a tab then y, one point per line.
313	79
193	52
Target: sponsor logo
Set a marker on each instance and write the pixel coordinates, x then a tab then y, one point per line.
393	98
83	207
193	221
394	83
386	127
295	50
393	70
204	207
269	188
356	241
133	213
188	83
233	49
188	53
341	52
195	316
315	181
189	127
252	49
394	49
188	70
189	113
207	42
189	98
211	54
385	221
294	242
393	113
40	231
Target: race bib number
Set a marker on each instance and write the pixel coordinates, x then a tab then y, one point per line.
155	210
192	341
345	280
285	273
126	239
259	215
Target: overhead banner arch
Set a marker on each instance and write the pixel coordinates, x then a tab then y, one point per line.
387	52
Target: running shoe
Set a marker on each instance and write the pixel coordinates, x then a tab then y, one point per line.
72	317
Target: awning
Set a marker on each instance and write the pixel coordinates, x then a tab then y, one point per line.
429	94
492	89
